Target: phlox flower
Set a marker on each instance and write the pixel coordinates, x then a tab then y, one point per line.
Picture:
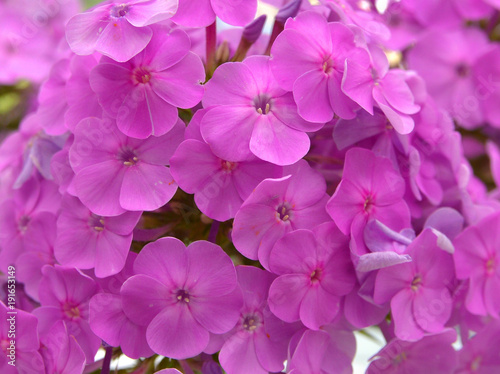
118	31
277	207
308	58
143	94
258	343
251	114
431	354
476	258
64	296
27	359
315	270
61	352
115	173
183	294
419	291
86	240
370	189
479	354
326	351
108	320
219	186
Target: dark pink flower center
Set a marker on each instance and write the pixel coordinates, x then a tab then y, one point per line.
4	344
463	70
476	363
23	223
399	358
141	75
262	104
128	157
71	310
328	65
368	204
491	266
251	322
284	212
96	222
416	282
228	166
120	10
182	296
316	275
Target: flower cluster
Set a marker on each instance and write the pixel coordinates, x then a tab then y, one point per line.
246	199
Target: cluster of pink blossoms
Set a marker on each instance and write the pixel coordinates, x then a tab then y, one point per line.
331	166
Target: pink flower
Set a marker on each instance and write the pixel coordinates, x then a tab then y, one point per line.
418	290
143	94
315	270
191	292
219	186
258	343
64	296
251	114
115	173
370	189
86	240
119	31
432	354
277	207
477	258
308	59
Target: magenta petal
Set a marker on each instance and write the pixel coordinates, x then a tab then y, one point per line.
217	314
194	13
405	326
146	13
318	307
106	317
294	253
311	94
83	31
228	130
210	270
432	308
165	51
165	260
232	84
235	12
185	337
98	187
286	294
379	260
391	280
238	355
357	83
180	84
121	41
275	142
111	253
146	187
142	307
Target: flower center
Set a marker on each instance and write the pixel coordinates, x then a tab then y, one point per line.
328	65
399	358
96	222
416	282
228	166
490	266
463	70
4	344
141	75
71	310
476	363
128	157
251	322
119	11
283	212
23	223
182	296
316	275
262	104
368	204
